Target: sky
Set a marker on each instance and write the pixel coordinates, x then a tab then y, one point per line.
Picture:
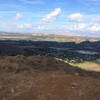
70	17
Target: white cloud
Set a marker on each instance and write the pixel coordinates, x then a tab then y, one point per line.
94	28
84	28
96	20
52	16
89	27
18	16
24	26
77	17
0	17
33	1
80	28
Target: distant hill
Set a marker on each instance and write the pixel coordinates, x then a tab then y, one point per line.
45	37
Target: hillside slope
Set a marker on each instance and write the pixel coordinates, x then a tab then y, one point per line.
41	78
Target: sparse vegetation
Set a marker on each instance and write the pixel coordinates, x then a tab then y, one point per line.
28	66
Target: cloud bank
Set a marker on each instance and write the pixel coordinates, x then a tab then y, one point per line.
73	23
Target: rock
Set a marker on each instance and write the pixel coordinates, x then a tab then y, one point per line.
3	98
12	90
76	74
80	93
74	85
1	87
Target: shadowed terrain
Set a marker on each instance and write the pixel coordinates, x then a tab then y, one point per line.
70	51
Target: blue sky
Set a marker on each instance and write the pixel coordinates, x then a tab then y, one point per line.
70	17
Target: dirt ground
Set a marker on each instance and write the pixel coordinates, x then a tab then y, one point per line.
45	81
62	87
51	86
